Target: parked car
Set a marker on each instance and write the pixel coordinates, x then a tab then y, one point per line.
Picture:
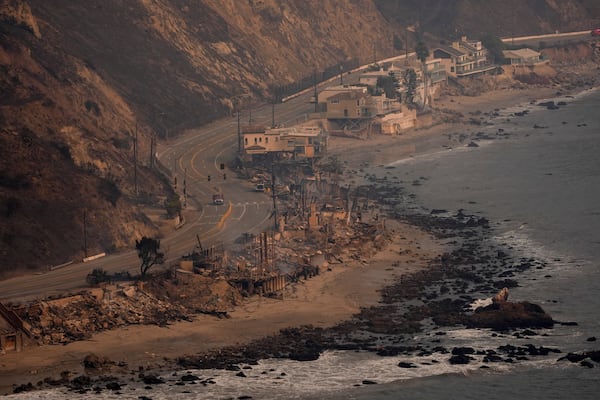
595	32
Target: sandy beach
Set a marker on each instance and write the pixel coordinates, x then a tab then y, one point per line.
323	301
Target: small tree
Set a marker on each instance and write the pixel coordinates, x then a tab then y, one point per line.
398	43
410	82
389	85
148	250
494	46
173	205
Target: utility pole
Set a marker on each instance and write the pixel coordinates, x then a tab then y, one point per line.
273	114
341	75
374	55
85	253
273	195
239	133
152	144
162	116
406	46
315	85
184	188
135	150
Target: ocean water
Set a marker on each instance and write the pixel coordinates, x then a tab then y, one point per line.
538	183
536	177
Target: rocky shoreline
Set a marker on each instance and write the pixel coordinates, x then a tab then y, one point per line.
428	302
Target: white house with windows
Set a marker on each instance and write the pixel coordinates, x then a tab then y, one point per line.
464	57
300	141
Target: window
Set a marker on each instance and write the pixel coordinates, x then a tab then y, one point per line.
345	112
246	141
267	140
255	141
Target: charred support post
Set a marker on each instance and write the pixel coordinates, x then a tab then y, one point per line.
274	196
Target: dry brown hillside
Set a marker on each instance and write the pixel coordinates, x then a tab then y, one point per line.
78	79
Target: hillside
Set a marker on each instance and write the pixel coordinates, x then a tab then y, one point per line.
79	79
475	18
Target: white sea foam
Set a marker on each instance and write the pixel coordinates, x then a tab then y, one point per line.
523	245
480	303
434	155
333	372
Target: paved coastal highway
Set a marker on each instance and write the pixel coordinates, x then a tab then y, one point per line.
550	39
193	156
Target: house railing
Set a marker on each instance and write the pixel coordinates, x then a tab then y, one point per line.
13	319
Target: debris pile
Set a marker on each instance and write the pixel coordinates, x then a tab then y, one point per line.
158	301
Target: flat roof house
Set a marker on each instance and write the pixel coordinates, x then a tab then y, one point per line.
523	56
303	141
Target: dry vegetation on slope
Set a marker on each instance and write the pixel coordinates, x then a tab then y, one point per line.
77	79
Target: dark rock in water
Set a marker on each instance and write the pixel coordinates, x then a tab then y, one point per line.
508	315
368	382
472	144
586	364
594	355
492	358
569	323
241	374
591	339
245	397
189	378
463	350
403	364
438	211
460	359
307	355
528	332
152	380
574	357
113	386
550	105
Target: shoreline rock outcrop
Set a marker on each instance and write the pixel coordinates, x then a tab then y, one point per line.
505	315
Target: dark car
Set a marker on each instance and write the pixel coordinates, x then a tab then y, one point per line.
595	32
218	199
